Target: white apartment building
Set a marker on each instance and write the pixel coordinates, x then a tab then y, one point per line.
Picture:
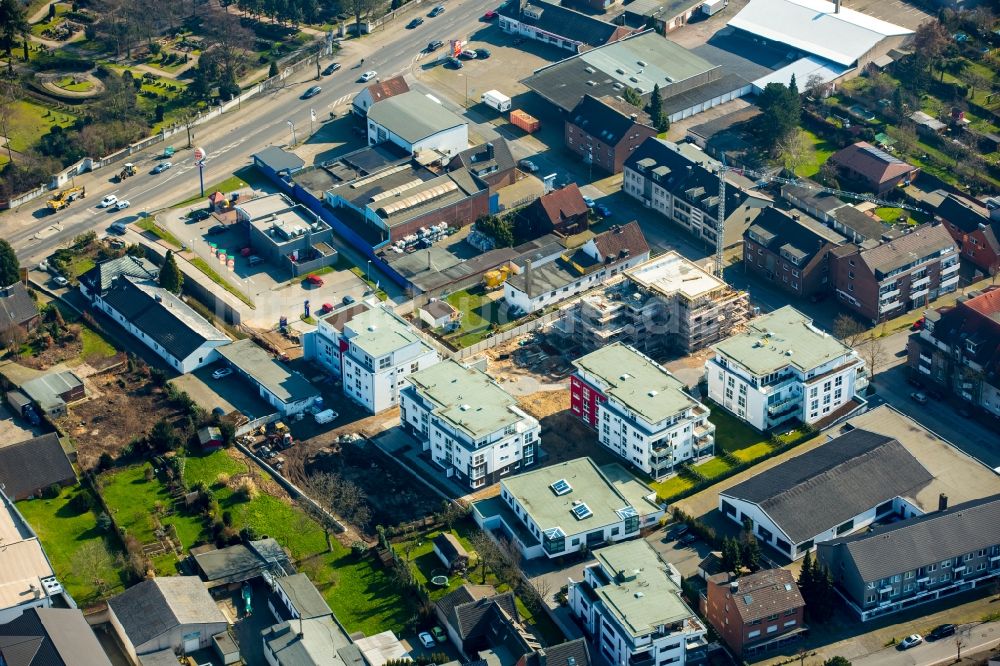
568	507
640	411
784	368
371	349
472	428
629	604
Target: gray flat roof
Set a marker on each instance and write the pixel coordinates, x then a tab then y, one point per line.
468	399
779	339
636	381
588	485
379	332
413	116
286	385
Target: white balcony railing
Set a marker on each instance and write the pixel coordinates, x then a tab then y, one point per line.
948	270
889	295
949	282
916	284
919	293
885	307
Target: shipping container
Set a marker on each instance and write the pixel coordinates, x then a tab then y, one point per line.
525	121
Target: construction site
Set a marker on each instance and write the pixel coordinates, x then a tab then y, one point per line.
665	306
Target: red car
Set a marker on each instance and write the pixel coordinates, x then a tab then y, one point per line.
327	307
490	15
918	324
314	280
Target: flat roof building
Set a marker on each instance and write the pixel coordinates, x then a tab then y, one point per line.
26	576
417	122
287	234
284	389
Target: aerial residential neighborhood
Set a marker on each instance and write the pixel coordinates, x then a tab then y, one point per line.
499	333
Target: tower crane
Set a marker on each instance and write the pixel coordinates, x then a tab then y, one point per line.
762	179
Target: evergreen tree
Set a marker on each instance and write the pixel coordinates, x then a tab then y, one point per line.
10	268
656	112
731	557
793	86
837	661
632	96
750	554
273	70
171	277
807	574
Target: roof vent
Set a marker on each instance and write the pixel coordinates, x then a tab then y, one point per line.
371	329
788	352
561	487
639	595
641	63
465	408
652	394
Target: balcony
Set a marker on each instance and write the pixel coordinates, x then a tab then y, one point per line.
885	307
703	431
784	405
916	284
919	293
950	282
948	270
889	295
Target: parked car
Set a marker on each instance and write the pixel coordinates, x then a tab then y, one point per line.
109	201
439	634
348	300
161	167
941	631
123	204
918	398
312	92
368	76
588	201
215	230
314	280
918	324
417	22
331	68
483	53
527	165
426	640
437	11
61	281
677	531
44	267
467	55
490	14
200	214
453	62
603	210
435	45
688	540
910	641
222	372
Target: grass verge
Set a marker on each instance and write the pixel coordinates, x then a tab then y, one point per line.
150	225
247	176
203	266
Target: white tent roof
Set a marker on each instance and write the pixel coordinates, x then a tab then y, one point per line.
813	27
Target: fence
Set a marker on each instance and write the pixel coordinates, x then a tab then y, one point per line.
256	423
504	336
290	65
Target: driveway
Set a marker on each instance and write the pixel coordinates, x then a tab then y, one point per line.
13	430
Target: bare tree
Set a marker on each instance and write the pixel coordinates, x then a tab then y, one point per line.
849	330
343	496
94	561
361	9
795	150
13	337
977	81
9	94
874	354
959	644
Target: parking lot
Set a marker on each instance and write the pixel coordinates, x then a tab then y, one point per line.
273	291
14	429
231	394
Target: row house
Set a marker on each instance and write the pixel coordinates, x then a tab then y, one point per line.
784	368
472	428
975	229
895	276
641	412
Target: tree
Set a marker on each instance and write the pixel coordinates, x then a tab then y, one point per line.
848	330
837	661
498	227
93	560
343	496
731	557
750	554
13	337
162	437
10	267
930	41
272	71
873	353
807	575
977	81
360	9
13	27
656	112
794	150
633	97
171	277
781	110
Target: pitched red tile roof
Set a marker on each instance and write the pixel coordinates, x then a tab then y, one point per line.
763	594
563	204
618	239
388	88
874	164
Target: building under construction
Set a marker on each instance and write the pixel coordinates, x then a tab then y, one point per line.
665	305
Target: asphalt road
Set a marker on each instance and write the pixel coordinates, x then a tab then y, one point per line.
975	639
232	138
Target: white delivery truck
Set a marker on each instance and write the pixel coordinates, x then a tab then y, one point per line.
712	7
326	416
496	99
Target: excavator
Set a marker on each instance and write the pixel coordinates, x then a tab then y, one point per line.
128	170
65	197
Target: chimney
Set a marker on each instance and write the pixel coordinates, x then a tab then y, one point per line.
489	151
942	502
836	6
527	280
734	586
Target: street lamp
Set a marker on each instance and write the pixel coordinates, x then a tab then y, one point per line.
291	126
368	272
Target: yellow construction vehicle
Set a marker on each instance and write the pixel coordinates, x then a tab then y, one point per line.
128	170
65	197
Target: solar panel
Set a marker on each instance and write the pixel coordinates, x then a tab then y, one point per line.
747	599
581	511
627	512
561	487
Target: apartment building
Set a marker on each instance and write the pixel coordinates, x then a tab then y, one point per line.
681	183
371	350
640	411
976	230
895	567
472	428
791	251
897	275
630	606
958	348
604	134
784	368
568	507
755	614
665	305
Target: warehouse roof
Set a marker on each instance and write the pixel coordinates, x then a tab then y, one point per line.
413	116
558	20
253	360
814	27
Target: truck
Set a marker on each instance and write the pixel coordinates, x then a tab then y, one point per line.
65	197
326	416
496	100
712	7
525	121
127	171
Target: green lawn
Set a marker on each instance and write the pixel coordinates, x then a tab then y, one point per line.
29	121
713	468
731	434
94	345
672	487
149	224
891	215
75	546
479	312
360	594
379	292
239	180
133	501
822	151
80	265
67	83
203	266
